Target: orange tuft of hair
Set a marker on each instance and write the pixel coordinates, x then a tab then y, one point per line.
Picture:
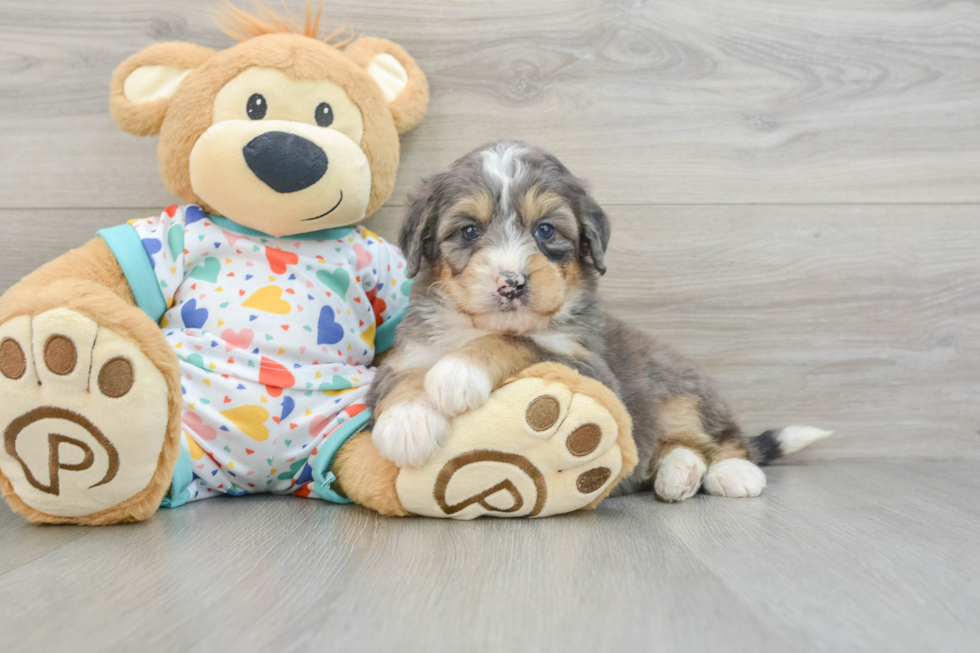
242	26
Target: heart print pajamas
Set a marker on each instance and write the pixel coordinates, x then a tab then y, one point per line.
275	336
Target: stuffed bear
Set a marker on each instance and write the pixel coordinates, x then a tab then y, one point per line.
225	347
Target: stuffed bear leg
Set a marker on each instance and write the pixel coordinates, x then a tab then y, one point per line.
91	396
550	441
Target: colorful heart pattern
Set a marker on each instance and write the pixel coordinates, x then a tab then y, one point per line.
193	317
278	259
195	423
276	338
208	271
337	280
329	332
240	340
268	299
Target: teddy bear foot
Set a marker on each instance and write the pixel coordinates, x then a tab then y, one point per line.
548	442
84	422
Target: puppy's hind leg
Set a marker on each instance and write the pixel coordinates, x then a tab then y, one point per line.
730	472
733	471
680	459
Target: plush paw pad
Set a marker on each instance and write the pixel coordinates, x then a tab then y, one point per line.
455	386
735	478
679	475
84	414
535	449
408	434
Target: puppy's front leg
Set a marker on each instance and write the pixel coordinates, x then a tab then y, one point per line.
407	427
464	379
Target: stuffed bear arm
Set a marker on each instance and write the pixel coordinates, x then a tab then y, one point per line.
93	262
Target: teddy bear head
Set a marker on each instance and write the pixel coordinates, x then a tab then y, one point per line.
284	133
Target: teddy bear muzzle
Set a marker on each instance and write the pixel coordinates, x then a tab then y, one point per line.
276	176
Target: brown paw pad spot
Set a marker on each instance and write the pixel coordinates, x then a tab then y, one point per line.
593	479
60	355
116	377
543	412
13	364
584	440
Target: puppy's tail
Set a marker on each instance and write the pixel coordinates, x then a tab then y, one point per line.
771	445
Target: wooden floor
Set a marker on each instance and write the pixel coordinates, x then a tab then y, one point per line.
795	196
873	556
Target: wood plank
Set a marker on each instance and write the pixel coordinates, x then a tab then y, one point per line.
831	557
675	101
864	320
861	319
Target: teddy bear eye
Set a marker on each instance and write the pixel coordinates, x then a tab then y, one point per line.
324	115
256	107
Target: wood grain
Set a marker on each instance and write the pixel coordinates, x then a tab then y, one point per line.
794	193
673	101
831	558
860	319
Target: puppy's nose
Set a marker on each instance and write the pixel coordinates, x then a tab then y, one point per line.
285	162
511	285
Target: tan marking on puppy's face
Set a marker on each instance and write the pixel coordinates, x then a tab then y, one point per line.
478	206
537	203
474	272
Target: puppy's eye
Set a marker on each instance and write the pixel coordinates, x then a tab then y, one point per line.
256	107
545	231
324	115
470	233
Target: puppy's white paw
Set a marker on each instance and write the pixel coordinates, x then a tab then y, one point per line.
679	475
734	477
409	434
455	386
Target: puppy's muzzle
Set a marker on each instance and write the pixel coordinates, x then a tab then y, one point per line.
511	285
285	162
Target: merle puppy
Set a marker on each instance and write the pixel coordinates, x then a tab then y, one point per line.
506	247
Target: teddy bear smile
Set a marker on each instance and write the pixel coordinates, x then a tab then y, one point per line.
322	215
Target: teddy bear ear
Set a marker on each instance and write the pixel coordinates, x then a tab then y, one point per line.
142	85
401	80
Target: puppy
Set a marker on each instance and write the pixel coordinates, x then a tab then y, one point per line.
506	247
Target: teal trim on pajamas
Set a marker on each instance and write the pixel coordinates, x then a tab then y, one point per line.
180	484
323	478
128	249
384	337
322	234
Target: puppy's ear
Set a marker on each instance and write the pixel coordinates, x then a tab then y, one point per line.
142	85
417	240
595	231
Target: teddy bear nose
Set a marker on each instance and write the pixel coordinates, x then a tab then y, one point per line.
285	162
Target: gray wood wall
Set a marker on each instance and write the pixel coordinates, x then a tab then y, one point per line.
793	185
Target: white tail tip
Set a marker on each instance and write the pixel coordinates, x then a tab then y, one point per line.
794	438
